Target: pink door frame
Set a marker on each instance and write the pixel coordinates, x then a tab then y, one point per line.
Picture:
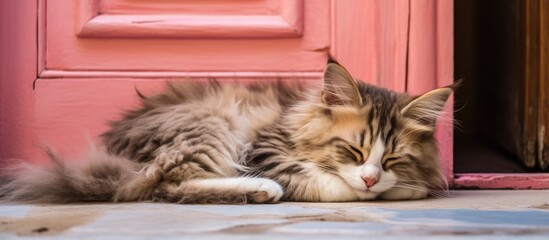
393	48
18	71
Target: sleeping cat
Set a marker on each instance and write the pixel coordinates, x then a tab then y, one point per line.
210	142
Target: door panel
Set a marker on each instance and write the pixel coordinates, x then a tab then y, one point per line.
212	7
275	19
103	35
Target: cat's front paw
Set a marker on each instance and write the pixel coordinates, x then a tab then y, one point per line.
403	194
268	191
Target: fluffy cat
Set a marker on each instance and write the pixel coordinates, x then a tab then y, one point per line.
260	143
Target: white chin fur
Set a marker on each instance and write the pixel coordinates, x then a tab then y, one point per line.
335	190
366	195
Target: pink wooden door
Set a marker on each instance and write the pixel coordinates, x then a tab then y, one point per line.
93	53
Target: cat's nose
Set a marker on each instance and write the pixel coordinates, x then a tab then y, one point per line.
370	181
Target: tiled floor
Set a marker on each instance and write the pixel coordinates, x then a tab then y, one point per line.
467	214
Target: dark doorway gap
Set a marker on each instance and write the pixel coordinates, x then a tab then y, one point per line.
488	50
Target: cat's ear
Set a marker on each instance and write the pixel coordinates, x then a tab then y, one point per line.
339	89
427	107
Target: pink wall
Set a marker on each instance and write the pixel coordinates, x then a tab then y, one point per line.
18	70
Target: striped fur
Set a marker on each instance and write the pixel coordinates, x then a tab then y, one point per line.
233	143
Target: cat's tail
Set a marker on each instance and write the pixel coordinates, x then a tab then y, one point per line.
100	177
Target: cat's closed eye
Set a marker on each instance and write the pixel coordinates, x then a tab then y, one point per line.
358	152
389	161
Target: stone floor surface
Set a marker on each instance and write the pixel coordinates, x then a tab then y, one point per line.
494	214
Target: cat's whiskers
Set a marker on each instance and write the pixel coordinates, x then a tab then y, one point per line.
435	193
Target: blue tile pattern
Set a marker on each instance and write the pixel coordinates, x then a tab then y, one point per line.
280	221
